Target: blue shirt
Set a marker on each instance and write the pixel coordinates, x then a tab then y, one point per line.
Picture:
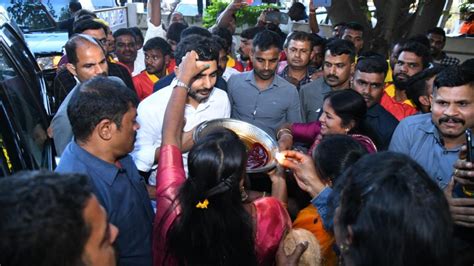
417	137
320	202
123	194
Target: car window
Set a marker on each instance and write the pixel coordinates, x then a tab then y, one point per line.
32	16
23	111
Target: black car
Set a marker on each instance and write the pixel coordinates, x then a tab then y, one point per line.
24	107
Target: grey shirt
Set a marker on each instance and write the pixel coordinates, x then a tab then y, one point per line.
312	97
62	131
266	109
417	137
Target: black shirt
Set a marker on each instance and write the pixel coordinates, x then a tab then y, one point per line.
383	123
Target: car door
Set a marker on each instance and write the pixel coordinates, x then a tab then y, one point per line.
24	108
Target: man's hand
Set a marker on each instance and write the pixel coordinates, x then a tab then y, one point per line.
464	170
236	5
304	170
189	68
292	259
462	209
279	190
187	141
285	142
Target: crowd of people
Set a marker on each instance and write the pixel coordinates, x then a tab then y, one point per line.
374	166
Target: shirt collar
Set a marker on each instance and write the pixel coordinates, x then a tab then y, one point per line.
430	128
309	71
251	77
107	171
325	87
373	111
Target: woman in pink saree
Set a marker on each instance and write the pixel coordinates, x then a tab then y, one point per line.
203	220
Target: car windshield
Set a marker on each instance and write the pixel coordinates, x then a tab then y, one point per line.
31	15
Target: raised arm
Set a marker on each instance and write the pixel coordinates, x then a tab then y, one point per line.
155	12
226	16
313	21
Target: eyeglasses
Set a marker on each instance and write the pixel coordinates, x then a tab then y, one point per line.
102	41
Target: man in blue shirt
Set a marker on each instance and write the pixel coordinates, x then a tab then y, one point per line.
102	114
434	140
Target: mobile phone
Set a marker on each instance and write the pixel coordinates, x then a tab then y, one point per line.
469	143
273	17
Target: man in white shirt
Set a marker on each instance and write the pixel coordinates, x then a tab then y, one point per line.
205	102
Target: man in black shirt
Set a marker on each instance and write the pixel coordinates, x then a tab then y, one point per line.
368	80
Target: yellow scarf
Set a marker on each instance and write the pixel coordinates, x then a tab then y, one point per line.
390	90
152	77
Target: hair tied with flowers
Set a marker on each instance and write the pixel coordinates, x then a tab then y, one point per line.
202	205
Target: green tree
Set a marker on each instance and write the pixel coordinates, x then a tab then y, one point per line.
395	18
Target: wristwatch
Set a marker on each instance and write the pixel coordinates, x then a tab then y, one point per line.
179	83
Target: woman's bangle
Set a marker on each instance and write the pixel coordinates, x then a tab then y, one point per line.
284	131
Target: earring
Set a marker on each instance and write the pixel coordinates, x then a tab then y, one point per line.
243	195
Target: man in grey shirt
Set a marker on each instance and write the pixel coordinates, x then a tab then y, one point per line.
86	60
259	96
338	66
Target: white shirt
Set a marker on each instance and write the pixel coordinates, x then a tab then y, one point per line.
152	32
229	71
150	116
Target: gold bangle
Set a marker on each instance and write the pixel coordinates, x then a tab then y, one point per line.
284	130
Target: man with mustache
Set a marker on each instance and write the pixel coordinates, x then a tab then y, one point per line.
86	60
435	140
338	66
126	48
437	38
368	80
103	119
298	49
412	58
64	81
205	102
261	97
